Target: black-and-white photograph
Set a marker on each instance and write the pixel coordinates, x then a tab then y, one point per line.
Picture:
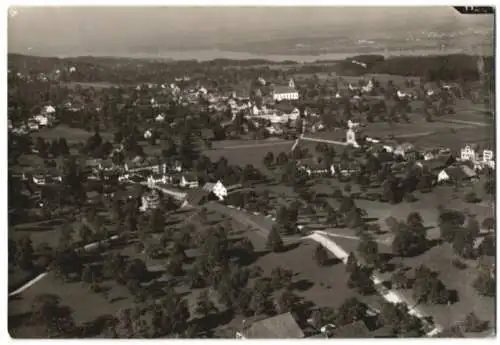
251	172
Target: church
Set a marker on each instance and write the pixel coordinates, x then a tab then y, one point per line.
289	92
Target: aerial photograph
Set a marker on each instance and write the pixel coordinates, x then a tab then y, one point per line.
251	172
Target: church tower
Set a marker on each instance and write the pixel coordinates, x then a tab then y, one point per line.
291	84
351	135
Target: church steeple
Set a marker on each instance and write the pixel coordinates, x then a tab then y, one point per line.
291	83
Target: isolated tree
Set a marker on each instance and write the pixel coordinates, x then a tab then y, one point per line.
352	263
320	255
204	305
463	243
286	302
488	224
48	312
351	310
472	323
415	223
400	280
25	253
427	288
488	246
484	283
274	241
473	226
280	278
269	159
368	249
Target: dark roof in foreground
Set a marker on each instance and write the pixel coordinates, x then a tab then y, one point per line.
356	329
281	326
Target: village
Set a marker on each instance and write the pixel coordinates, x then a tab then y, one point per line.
186	181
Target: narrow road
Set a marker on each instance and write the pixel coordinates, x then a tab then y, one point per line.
472	123
326	141
389	295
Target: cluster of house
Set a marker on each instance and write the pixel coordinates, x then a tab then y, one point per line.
285	326
441	160
45	118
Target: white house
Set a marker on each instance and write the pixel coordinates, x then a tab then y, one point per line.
443	176
286	92
72	69
33	126
158	178
39	179
488	156
467	153
41	119
428	156
148	134
218	189
49	110
150	200
160	118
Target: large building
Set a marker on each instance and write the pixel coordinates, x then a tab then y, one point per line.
286	92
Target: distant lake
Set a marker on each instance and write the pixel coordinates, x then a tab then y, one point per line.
204	55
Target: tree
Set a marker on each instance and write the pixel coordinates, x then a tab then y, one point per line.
351	310
157	221
485	283
286	301
269	159
85	233
368	249
25	253
473	226
88	274
397	317
204	305
48	312
427	288
320	255
66	236
281	159
489	187
463	243
352	263
472	323
274	241
488	246
407	243
281	278
415	223
360	279
488	224
400	280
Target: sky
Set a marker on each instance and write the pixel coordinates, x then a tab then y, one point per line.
44	29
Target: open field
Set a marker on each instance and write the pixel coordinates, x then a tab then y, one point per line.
86	85
72	135
254	155
439	259
456	139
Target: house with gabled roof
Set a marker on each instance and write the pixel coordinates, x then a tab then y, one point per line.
281	326
288	92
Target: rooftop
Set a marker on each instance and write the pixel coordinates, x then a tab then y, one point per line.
281	326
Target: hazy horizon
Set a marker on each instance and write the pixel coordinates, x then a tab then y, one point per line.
67	30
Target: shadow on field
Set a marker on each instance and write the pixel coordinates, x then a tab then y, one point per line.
301	285
212	321
290	247
18	320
